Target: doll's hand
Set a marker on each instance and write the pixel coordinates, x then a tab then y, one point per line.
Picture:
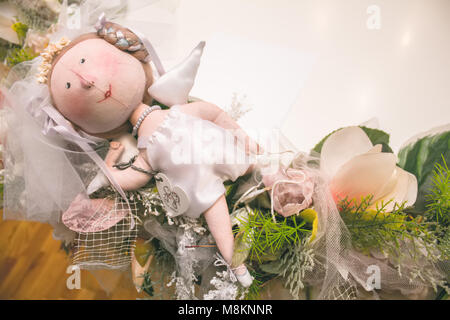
115	151
128	178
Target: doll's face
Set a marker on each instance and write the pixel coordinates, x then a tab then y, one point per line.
97	86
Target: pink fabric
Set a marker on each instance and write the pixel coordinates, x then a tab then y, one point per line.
93	215
290	198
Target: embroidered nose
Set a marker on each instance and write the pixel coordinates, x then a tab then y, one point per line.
86	83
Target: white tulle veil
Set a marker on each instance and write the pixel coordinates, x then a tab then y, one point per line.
46	166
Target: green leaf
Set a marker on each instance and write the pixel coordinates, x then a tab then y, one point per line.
420	159
241	250
376	137
273	267
263	201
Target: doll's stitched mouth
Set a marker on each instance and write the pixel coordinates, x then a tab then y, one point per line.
107	94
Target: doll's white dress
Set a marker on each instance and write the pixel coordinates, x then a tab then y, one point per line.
197	156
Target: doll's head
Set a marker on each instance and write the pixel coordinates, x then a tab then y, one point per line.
97	80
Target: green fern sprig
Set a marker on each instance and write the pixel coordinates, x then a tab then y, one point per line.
266	238
439	196
386	231
406	240
254	291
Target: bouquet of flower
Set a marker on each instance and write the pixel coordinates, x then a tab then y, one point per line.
290	237
387	216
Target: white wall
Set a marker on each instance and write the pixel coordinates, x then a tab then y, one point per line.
398	74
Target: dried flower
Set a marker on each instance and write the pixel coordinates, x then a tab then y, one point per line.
48	55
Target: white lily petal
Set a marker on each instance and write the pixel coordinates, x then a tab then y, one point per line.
389	186
342	146
411	194
363	175
398	192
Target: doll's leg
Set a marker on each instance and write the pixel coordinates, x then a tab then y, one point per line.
219	224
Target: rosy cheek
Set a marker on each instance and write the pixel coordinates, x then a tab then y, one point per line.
76	106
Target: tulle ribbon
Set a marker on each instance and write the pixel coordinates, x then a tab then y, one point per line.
55	122
220	262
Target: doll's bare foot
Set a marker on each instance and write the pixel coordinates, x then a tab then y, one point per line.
243	276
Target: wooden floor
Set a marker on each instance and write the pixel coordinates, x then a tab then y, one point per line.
33	266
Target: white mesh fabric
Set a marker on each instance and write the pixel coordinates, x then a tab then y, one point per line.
111	248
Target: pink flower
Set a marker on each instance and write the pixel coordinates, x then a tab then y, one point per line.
291	192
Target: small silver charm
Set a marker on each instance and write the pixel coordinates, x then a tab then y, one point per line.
174	198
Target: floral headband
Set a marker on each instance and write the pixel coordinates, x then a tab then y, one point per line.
52	50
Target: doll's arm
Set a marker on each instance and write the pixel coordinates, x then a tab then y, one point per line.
213	113
129	178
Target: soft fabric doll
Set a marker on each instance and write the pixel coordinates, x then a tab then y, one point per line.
102	86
